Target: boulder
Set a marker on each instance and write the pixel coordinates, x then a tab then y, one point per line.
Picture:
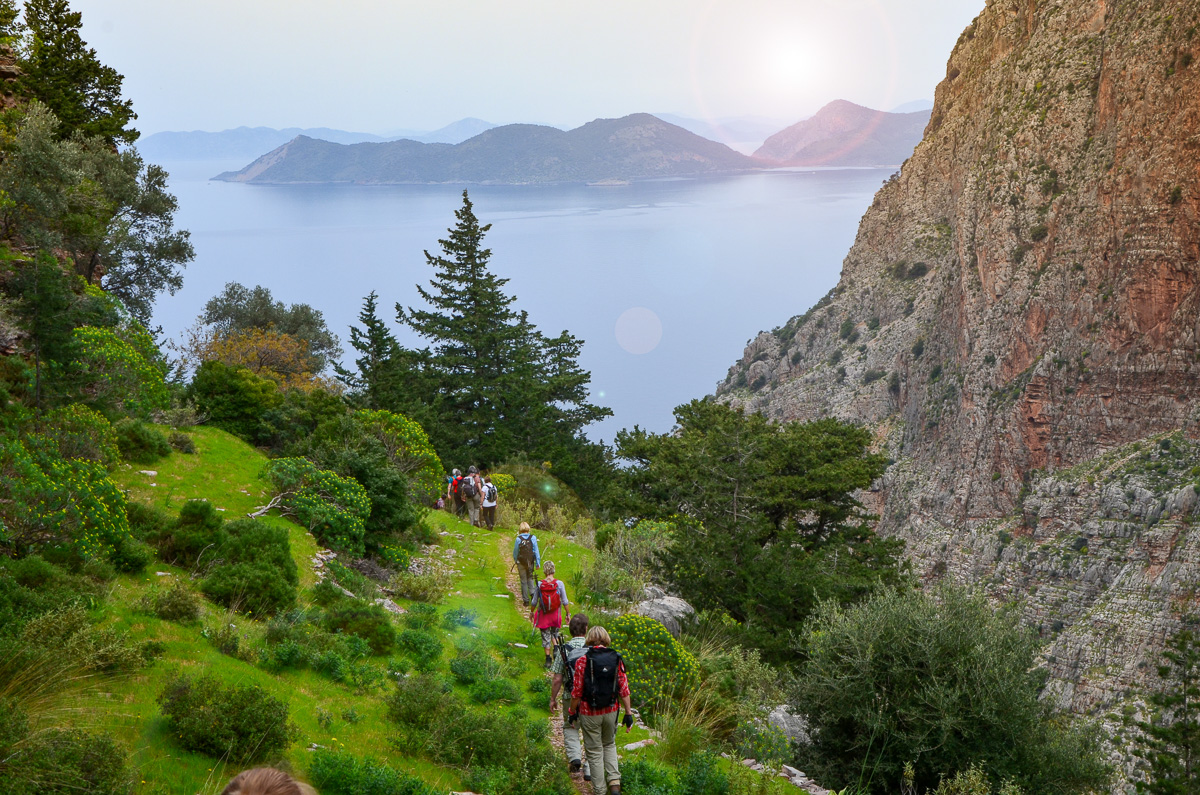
794	727
670	611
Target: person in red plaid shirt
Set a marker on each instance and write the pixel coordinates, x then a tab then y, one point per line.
600	690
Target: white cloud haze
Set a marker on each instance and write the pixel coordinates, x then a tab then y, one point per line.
380	65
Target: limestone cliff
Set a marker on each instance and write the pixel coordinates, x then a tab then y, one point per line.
1021	299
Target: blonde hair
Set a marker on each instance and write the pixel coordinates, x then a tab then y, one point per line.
548	567
597	636
524	527
266	781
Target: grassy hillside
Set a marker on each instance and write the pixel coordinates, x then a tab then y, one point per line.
226	472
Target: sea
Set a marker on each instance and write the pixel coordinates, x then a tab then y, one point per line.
664	280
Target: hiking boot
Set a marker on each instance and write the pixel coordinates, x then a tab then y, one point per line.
614	789
587	776
576	765
548	661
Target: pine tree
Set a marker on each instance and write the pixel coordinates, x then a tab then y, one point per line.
387	376
1173	748
65	74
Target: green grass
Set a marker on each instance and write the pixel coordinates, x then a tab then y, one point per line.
226	472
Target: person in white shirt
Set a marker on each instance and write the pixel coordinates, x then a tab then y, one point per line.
490	494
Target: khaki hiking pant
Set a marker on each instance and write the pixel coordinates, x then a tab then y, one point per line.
571	737
473	510
528	582
600	740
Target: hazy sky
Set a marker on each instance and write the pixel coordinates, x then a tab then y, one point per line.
381	65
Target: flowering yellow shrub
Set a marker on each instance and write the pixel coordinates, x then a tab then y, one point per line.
656	663
505	484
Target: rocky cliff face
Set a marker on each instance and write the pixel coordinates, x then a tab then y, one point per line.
1021	300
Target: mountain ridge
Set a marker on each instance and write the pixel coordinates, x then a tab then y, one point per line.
844	133
637	146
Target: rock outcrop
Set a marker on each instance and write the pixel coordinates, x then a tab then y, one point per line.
1021	301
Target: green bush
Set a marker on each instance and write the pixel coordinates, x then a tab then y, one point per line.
196	536
32	586
646	777
949	682
130	556
756	740
178	603
59	761
367	621
471	668
75	431
422	647
655	662
421	616
69	635
140	442
459	617
234	399
703	775
488	690
340	773
417	700
146	521
182	442
241	723
331	506
257	573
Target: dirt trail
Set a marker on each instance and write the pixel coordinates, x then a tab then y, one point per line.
513	583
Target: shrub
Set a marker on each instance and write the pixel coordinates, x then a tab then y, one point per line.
949	682
340	773
488	690
130	556
459	617
430	585
703	775
367	621
69	635
505	484
1039	233
331	664
656	663
242	723
140	442
421	616
76	431
122	368
873	375
63	761
256	572
474	666
197	535
418	699
422	647
182	442
646	777
146	521
178	603
233	398
763	742
332	507
395	556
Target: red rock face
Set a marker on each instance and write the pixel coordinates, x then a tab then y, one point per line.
1053	209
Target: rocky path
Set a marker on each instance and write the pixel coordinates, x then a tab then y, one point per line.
513	583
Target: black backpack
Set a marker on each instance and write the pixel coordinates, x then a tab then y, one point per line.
467	489
489	491
525	550
570	655
600	683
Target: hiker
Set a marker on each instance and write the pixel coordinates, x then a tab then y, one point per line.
599	690
469	488
266	781
549	603
563	671
490	493
453	498
528	559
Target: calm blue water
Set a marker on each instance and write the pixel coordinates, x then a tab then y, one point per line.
716	260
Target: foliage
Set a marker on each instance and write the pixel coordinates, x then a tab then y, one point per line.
486	691
182	442
31	586
177	603
241	723
234	399
762	741
196	535
255	572
657	665
417	700
421	616
369	622
499	385
107	211
941	681
766	522
121	369
239	309
1172	742
687	723
69	635
505	484
340	773
268	353
332	507
140	442
972	781
78	432
422	647
46	501
459	617
431	584
646	777
60	761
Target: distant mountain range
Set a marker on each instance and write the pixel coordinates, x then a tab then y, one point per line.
742	133
638	146
248	142
845	134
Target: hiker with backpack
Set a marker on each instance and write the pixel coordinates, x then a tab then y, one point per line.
490	493
470	488
598	692
549	603
528	559
453	498
563	670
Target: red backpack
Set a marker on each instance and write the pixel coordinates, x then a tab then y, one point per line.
549	602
